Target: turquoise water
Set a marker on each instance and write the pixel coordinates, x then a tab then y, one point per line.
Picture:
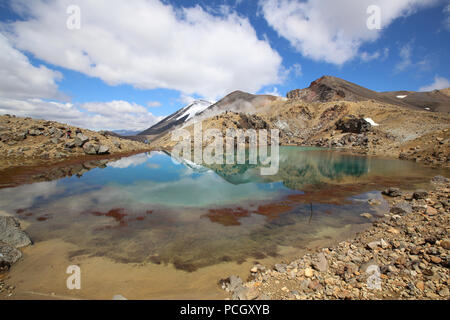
149	208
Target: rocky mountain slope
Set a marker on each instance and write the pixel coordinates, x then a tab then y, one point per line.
177	118
26	141
330	88
335	113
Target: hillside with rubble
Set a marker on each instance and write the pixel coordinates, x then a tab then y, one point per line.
27	141
334	113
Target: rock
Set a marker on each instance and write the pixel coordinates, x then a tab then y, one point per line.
234	282
420	285
240	293
384	244
281	268
393	230
374	202
431	211
118	145
258	268
373	245
11	234
445	244
352	124
436	259
54	140
321	264
366	215
309	272
420	194
80	140
89	149
8	254
119	297
392	192
252	294
444	292
401	208
69	144
314	285
440	179
34	132
103	150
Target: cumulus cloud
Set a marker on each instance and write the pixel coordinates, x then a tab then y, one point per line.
114	115
20	79
332	30
149	44
438	84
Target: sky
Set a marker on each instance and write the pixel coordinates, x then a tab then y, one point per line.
115	64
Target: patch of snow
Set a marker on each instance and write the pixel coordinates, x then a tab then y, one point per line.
372	123
194	108
402	97
427	109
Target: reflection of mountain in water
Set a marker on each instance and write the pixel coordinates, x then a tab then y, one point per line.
298	168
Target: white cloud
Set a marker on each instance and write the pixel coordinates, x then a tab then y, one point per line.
274	92
330	30
405	56
447	17
407	61
438	84
154	104
114	115
297	69
366	56
20	79
149	45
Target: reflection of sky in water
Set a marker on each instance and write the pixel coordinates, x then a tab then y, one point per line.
154	178
180	228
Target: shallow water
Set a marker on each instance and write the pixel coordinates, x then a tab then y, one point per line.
146	218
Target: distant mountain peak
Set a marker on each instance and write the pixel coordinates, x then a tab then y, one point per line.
330	88
179	117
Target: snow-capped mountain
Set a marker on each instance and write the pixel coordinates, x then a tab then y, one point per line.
179	117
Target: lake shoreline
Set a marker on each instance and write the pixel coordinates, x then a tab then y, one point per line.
404	255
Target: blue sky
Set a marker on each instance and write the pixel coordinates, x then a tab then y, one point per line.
125	69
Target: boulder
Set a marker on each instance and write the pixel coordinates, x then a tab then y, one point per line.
234	282
392	192
69	144
320	263
34	132
401	208
103	150
80	140
11	234
420	194
352	124
8	255
281	268
90	148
